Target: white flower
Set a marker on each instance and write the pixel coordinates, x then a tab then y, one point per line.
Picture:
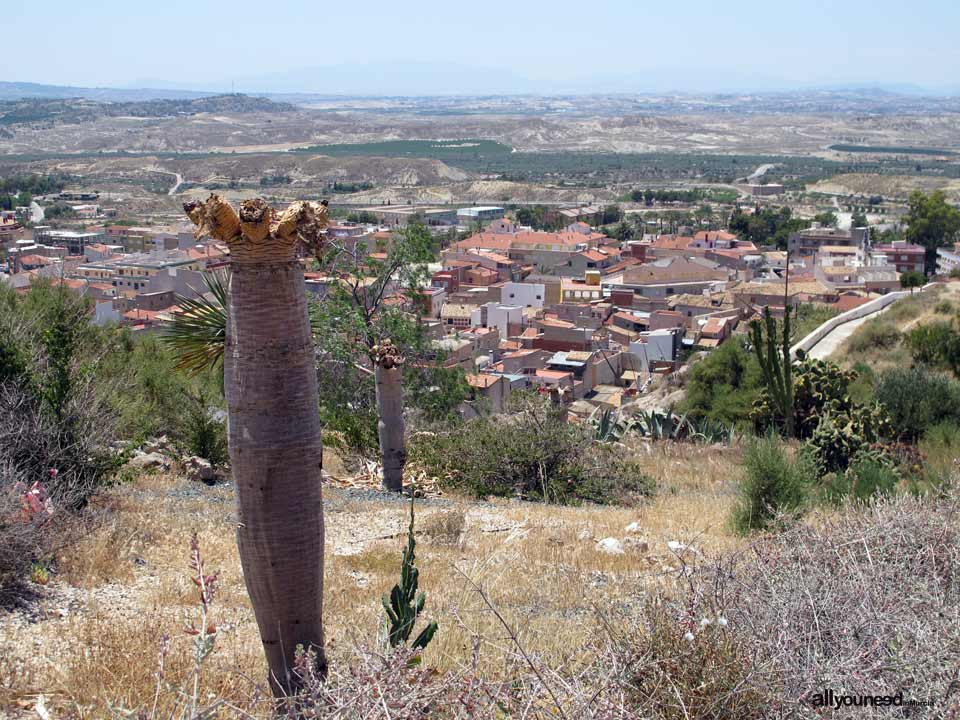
705	622
688	636
721	621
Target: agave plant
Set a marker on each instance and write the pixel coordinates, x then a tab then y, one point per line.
658	425
711	431
609	425
199	331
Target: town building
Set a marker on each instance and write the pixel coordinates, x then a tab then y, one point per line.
904	256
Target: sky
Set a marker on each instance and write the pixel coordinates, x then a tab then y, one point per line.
497	46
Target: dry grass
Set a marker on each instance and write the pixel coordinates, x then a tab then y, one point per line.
875	342
126	584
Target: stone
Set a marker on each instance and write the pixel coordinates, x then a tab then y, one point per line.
611	546
634	527
198	469
637	545
584	535
149	461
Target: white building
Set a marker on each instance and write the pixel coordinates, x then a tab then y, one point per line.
497	315
524	294
948	259
481	214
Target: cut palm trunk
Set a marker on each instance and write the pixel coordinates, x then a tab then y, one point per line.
273	423
388	373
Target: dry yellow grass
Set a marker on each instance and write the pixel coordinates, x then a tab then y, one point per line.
126	584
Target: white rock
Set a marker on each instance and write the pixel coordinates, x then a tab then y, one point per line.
149	461
675	546
611	546
634	527
584	535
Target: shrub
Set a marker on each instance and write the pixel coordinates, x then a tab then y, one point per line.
774	484
532	453
876	334
916	399
870	475
724	385
836	604
928	342
944	307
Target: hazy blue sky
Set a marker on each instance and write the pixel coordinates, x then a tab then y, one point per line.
520	45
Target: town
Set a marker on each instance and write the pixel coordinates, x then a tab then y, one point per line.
577	310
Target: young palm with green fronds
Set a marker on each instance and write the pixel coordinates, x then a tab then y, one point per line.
199	331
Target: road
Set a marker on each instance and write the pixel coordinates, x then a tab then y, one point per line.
761	171
844	219
36	213
173	190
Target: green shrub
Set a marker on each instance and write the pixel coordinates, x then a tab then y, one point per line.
928	342
861	388
941	446
724	385
944	307
876	334
532	453
774	483
917	399
870	475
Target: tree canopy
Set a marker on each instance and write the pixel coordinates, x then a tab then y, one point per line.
932	223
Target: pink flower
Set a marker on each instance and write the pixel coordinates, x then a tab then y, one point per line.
35	501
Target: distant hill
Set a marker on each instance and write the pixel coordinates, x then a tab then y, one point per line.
78	110
25	90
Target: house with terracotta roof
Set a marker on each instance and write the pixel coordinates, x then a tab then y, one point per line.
493	388
714	331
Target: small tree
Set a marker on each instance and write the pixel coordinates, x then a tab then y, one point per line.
911	280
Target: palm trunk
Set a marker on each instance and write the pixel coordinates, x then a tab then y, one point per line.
274	425
389	383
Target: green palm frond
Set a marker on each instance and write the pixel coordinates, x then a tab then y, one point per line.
199	331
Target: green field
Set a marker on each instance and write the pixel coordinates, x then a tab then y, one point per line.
891	150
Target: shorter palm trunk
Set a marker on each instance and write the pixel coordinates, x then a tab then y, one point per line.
388	375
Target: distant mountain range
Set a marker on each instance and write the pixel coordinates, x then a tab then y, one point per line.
426	80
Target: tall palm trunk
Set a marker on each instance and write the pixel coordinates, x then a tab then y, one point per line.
273	423
388	375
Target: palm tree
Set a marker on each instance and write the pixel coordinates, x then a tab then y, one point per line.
390	429
272	417
199	330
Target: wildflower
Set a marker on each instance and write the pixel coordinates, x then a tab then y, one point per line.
721	621
706	621
688	636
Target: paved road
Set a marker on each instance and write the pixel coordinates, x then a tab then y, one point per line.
173	190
